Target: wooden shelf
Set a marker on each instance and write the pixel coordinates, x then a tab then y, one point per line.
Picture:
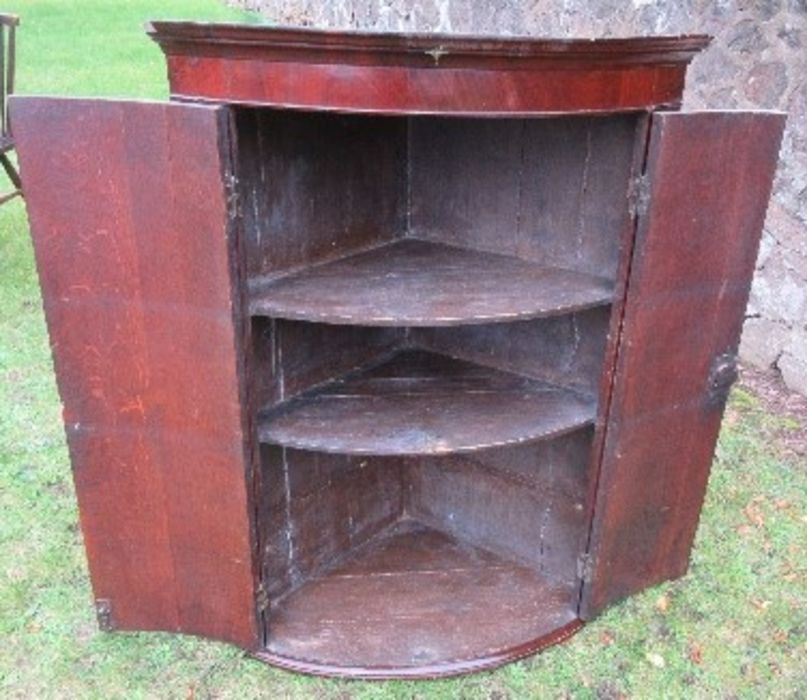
416	598
424	403
418	283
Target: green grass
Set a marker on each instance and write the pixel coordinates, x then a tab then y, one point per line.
733	627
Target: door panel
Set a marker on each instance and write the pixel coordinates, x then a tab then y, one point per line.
136	256
709	177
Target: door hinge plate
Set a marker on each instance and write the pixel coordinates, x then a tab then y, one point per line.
233	196
640	195
261	598
103	613
585	567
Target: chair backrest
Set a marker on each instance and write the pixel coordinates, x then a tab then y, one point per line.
8	27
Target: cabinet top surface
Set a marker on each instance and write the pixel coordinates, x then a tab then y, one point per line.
396	73
422	48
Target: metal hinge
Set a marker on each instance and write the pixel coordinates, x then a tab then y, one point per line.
103	613
585	567
233	196
640	195
261	598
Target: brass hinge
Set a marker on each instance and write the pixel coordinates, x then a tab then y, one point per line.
639	196
103	613
585	567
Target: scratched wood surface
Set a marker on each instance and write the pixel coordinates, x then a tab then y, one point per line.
316	507
710	177
134	251
526	502
292	357
419	283
553	191
565	350
331	469
316	186
423	403
422	74
408	600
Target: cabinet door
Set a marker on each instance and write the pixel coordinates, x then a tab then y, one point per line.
134	246
708	178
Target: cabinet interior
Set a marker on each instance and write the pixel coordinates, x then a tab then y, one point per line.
430	305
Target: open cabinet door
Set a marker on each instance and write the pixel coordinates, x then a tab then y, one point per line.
134	243
708	179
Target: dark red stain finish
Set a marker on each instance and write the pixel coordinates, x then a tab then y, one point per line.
709	178
421	74
135	259
406	393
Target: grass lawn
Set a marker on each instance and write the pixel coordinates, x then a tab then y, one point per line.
733	627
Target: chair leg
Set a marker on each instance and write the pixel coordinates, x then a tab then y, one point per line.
13	175
11	171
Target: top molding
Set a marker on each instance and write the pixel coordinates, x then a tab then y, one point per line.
385	73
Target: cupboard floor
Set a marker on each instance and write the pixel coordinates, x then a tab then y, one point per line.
416	598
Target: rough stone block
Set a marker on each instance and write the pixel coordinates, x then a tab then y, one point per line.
763	342
793	362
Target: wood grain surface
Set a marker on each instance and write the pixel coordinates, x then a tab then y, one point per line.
415	598
385	393
419	283
132	235
422	74
424	403
710	177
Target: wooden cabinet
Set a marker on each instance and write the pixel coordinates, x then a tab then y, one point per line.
392	356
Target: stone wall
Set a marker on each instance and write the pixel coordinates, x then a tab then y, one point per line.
758	60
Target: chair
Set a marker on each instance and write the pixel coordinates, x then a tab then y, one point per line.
8	26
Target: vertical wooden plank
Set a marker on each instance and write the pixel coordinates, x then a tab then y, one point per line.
575	182
464	181
524	502
354	165
708	181
549	190
136	255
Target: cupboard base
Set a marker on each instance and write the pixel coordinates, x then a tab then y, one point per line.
441	670
417	602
